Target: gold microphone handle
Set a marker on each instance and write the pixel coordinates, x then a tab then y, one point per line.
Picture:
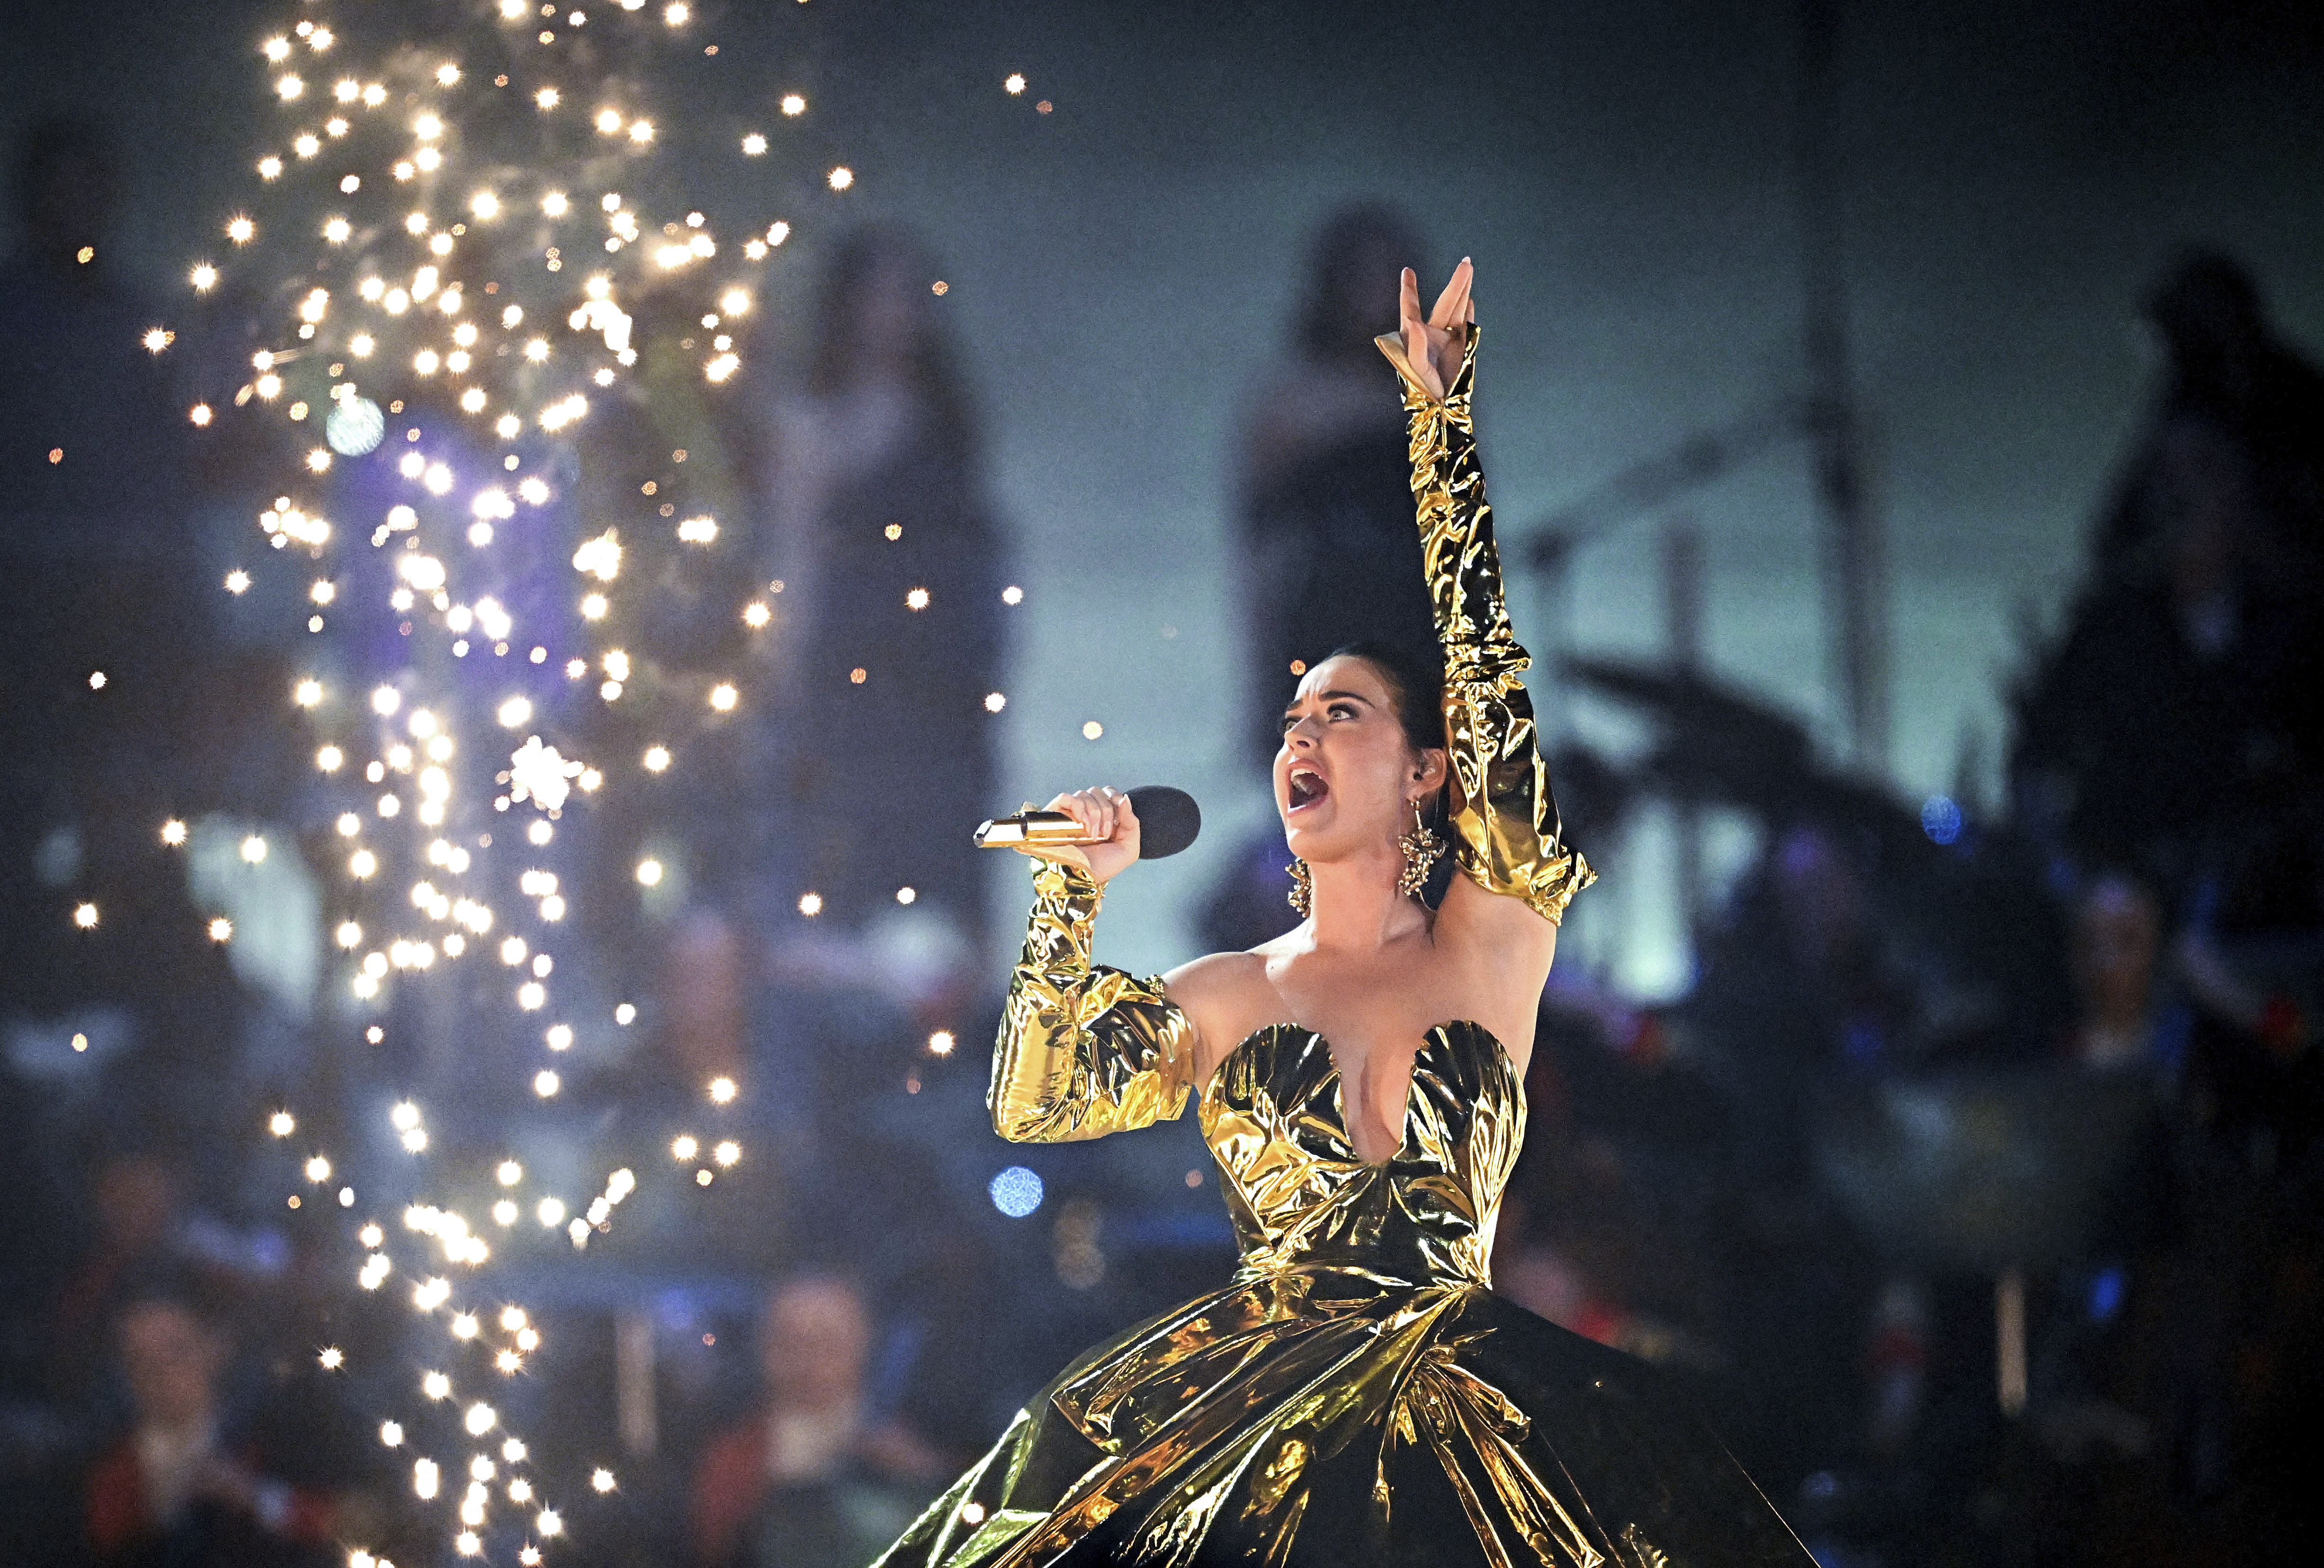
1031	827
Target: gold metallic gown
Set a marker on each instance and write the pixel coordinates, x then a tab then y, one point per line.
1355	1395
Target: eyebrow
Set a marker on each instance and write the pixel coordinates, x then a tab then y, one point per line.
1351	696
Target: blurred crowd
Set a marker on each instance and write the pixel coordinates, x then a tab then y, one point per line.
1978	1172
1973	1183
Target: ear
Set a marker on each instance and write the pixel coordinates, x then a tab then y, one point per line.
1428	771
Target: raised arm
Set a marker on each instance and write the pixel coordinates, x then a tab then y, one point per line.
1084	1050
1503	816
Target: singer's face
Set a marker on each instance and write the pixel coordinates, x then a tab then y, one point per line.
1345	775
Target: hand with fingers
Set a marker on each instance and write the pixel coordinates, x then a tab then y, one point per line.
1433	347
1112	823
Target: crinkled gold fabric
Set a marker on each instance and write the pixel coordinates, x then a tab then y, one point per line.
1504	818
1083	1051
1355	1396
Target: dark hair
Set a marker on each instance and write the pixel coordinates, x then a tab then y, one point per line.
1416	687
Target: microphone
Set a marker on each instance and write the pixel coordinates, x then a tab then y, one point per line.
1167	821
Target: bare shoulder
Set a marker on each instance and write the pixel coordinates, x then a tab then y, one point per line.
1227	995
1215	978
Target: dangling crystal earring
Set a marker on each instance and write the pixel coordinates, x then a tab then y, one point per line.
1303	888
1421	849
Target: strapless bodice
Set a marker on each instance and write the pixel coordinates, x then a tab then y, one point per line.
1275	1117
1355	1396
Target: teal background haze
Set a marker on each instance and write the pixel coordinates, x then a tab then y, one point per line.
2014	177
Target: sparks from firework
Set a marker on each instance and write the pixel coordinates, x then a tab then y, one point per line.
434	288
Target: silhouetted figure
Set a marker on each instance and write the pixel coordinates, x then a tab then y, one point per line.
1326	548
1323	482
2172	729
2228	368
2175	715
810	1479
887	634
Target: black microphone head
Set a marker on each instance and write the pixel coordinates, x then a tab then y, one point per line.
1168	820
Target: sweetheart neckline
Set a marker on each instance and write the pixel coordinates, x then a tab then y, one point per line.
1339	1079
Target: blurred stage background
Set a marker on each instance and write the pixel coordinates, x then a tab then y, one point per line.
1936	1091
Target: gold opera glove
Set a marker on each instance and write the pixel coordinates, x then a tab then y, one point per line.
1084	1050
1502	815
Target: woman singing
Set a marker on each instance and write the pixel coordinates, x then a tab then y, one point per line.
1356	1394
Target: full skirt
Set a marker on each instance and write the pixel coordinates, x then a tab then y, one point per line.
1334	1418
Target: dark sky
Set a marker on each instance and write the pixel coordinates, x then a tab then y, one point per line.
2013	177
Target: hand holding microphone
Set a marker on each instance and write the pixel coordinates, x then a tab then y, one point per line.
1102	829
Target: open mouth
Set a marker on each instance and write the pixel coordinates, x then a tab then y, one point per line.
1307	786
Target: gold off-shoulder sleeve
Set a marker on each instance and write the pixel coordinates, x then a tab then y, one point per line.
1503	815
1084	1050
